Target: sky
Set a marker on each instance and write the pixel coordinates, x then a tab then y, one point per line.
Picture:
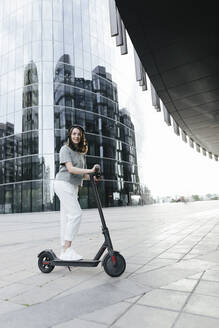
170	166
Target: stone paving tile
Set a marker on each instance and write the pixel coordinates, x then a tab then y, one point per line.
137	260
65	283
166	299
203	305
35	295
170	255
211	257
196	264
4	272
157	263
69	307
98	279
132	299
189	257
180	249
211	275
130	267
11	291
147	267
184	285
107	315
93	282
208	288
38	279
141	317
195	321
16	276
6	306
162	277
130	285
79	324
196	276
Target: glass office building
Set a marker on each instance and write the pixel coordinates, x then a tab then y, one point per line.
59	66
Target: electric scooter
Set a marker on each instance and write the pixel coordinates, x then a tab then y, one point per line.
113	262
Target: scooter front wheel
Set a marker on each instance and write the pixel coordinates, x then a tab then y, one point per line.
44	262
114	265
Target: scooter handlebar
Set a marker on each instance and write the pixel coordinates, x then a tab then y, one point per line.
96	173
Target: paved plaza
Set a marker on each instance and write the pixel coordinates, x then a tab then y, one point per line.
171	279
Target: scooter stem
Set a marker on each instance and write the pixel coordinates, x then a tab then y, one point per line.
99	206
108	242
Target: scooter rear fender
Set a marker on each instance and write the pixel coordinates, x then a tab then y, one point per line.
48	251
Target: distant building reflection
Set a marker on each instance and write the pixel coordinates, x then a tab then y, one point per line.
30	98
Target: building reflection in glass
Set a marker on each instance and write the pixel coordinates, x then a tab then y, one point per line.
110	134
56	70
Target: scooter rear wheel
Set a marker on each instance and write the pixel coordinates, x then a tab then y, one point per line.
44	262
114	269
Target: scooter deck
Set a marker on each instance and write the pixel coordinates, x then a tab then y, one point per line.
80	263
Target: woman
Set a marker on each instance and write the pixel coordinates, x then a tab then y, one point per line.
71	173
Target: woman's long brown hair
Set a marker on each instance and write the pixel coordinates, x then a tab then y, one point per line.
82	146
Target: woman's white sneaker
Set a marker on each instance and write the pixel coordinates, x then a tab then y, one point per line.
70	255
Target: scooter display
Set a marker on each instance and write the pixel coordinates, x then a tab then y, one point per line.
113	262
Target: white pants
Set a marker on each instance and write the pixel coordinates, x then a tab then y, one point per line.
70	211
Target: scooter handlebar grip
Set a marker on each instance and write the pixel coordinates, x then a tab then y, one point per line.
97	172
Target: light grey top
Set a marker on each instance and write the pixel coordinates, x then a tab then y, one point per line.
77	159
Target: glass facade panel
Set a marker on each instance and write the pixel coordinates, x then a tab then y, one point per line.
27	197
59	66
17	199
2	199
8	198
37	193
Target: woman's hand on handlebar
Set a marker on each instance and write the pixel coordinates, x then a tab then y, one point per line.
95	167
